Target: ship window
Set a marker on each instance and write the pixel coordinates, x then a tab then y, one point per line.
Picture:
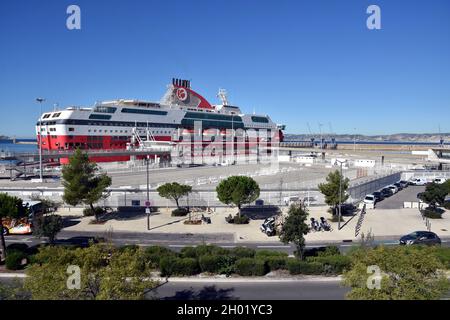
73	129
56	115
100	116
260	119
47	115
158	113
104	109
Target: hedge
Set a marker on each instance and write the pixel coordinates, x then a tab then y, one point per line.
212	264
334	264
14	259
296	266
269	253
275	262
154	254
178	266
242	252
250	267
179	212
201	250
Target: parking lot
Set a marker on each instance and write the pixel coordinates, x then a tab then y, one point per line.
396	201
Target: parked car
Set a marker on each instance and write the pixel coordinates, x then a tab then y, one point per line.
399	186
370	199
404	183
378	195
421	237
387	192
268	227
393	188
418	181
439	180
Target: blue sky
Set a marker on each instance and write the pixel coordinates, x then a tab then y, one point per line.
298	61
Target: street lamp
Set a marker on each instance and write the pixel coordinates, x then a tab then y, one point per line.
147	204
40	101
340	193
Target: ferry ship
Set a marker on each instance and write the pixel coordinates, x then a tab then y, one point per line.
111	124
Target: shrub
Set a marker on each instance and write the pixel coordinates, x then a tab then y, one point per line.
14	260
447	205
180	212
211	264
154	254
167	266
242	252
250	267
186	267
201	250
22	247
333	264
275	262
269	253
87	212
443	254
296	266
243	219
329	251
433	213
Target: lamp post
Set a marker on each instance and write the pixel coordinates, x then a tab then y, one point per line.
147	204
340	193
40	100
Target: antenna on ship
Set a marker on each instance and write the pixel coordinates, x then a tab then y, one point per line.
222	95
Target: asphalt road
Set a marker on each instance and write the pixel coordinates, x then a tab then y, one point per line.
178	241
274	290
396	201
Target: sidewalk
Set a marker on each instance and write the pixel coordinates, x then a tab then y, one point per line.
382	223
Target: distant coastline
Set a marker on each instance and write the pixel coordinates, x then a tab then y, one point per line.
398	138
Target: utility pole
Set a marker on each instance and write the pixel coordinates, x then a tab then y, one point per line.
40	100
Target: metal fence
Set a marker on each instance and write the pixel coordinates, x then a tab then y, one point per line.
359	191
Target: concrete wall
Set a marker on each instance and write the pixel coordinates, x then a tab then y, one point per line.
359	191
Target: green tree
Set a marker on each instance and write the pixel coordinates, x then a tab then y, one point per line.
106	273
407	272
434	195
83	183
295	228
330	190
48	226
238	190
174	191
10	207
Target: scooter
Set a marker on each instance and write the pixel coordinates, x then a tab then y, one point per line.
324	225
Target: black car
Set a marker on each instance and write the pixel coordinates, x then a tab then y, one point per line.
378	196
386	192
399	186
421	237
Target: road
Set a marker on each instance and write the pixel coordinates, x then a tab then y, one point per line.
273	290
178	241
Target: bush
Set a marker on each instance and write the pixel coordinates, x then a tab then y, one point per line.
329	251
250	267
22	247
201	250
296	266
87	212
275	262
14	260
186	267
154	254
243	219
443	254
167	266
242	252
180	212
211	264
269	253
433	213
333	264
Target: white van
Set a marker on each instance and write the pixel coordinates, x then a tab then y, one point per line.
419	181
291	200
